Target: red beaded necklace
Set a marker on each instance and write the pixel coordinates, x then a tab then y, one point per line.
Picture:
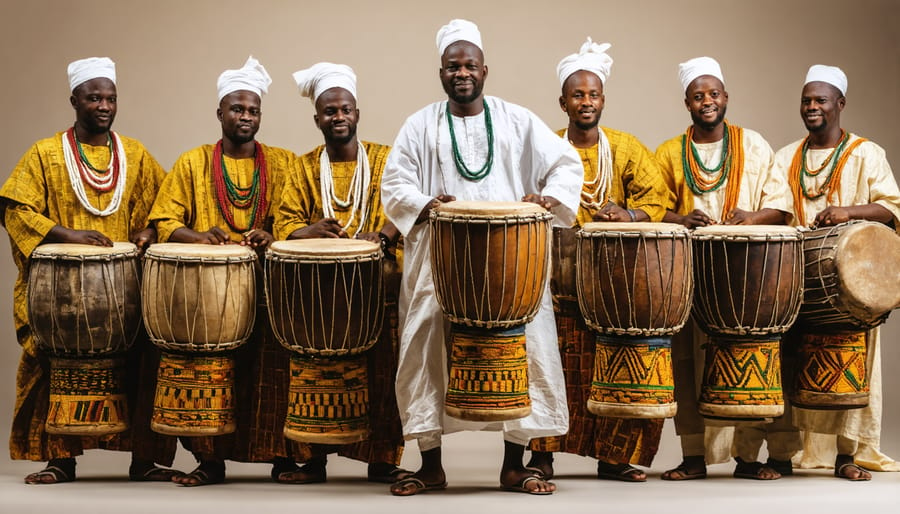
99	180
230	196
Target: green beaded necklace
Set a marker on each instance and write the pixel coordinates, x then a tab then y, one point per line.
696	188
84	158
461	167
834	158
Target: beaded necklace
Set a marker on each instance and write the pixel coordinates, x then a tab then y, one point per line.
594	194
357	194
461	167
81	171
799	173
230	196
730	168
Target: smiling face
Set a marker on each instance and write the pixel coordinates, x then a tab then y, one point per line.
337	115
582	99
240	115
95	105
820	106
707	101
463	72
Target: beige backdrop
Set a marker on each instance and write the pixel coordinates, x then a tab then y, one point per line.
169	53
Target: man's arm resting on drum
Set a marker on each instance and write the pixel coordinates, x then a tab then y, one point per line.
324	228
23	219
213	236
695	218
433	204
766	216
612	212
835	215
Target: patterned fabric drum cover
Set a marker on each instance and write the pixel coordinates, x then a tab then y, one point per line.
199	303
326	304
490	262
634	287
851	284
84	311
748	288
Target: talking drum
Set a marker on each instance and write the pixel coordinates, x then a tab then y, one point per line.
747	292
84	312
490	265
199	304
634	288
326	305
851	285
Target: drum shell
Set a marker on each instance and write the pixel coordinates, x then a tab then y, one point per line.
563	264
490	271
325	306
199	303
85	305
747	284
635	283
850	277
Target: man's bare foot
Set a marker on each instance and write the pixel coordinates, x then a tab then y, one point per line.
207	473
692	467
313	472
754	470
420	482
541	462
56	472
522	480
844	467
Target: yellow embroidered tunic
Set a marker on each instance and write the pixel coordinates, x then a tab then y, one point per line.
36	197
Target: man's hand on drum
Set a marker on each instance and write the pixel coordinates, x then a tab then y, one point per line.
144	238
59	234
439	199
328	227
213	236
832	215
740	217
612	212
696	218
258	239
547	202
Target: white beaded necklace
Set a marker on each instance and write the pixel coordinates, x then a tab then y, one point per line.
357	194
73	166
604	174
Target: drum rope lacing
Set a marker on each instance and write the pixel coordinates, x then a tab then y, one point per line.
115	177
357	194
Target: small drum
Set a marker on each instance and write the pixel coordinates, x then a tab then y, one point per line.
748	289
326	304
199	303
490	265
562	264
634	287
84	311
851	285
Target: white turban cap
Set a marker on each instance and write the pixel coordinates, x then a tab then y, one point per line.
91	68
323	76
458	30
697	67
592	57
829	74
251	77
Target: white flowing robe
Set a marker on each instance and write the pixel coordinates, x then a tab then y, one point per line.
528	159
866	178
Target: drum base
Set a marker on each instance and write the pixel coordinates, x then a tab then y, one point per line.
87	397
831	372
742	378
328	402
194	395
488	374
633	378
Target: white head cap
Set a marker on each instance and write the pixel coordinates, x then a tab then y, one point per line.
91	68
251	77
829	74
323	76
591	57
697	67
458	30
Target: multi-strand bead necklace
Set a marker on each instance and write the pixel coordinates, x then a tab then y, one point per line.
81	171
230	196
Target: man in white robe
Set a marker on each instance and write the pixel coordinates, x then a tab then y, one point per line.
526	161
866	190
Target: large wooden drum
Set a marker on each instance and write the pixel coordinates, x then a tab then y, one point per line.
84	312
851	284
634	288
326	304
563	264
747	293
199	303
490	262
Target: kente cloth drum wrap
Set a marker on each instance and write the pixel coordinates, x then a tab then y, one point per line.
748	289
194	395
84	312
831	371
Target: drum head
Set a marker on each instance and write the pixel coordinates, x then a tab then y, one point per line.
489	208
232	252
867	259
754	232
640	226
79	251
324	248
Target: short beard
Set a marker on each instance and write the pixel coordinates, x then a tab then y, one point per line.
708	126
463	99
588	126
332	139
